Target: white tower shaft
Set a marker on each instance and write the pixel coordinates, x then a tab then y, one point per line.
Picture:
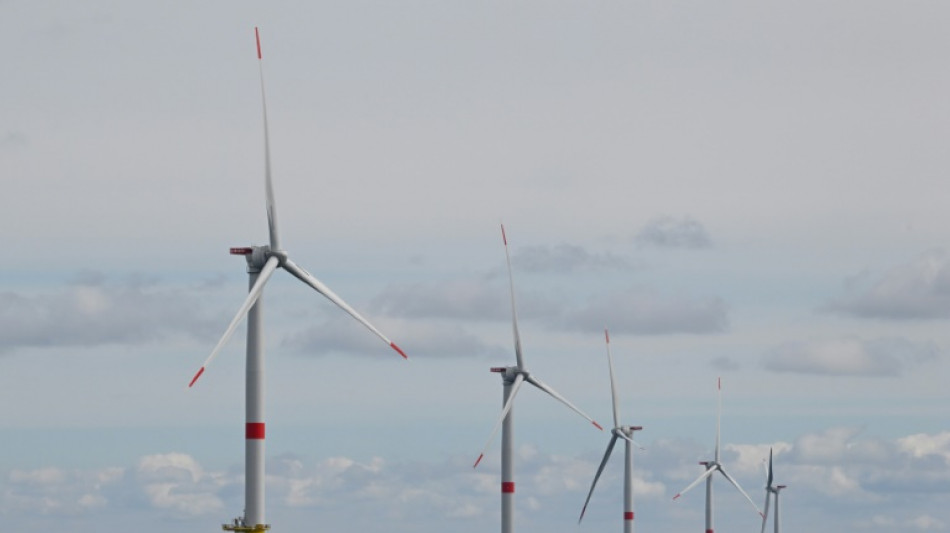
254	413
507	461
628	482
709	503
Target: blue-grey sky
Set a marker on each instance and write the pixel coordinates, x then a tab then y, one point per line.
737	189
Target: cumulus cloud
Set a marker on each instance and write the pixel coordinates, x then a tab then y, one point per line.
54	491
177	483
850	357
95	311
916	290
671	232
644	311
826	470
922	445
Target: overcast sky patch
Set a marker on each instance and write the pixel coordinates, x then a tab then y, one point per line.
647	312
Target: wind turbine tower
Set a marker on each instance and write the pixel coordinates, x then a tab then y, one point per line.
262	262
619	432
512	379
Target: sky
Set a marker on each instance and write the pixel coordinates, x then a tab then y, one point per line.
739	190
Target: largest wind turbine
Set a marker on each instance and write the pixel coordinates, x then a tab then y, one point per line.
262	261
619	432
512	378
711	468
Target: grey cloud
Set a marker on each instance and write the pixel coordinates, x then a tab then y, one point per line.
93	311
343	335
850	357
670	232
917	290
644	311
454	299
464	300
565	258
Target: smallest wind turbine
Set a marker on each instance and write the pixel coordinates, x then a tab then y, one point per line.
619	432
771	491
711	468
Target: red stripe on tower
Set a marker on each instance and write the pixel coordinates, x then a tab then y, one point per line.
254	430
507	487
628	515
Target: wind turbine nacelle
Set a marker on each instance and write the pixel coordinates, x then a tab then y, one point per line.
255	256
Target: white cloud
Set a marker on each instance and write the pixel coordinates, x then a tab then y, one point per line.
58	492
921	445
177	483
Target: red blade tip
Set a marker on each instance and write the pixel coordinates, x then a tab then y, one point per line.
607	335
198	375
478	460
398	349
257	36
503	237
598	426
677	496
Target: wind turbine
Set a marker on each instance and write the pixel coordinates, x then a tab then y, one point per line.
512	379
262	262
769	492
711	468
619	432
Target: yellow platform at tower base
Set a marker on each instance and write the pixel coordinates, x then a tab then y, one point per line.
259	528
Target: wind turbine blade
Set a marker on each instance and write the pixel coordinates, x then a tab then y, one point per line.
768	483
736	485
307	278
514	312
613	382
268	184
519	379
765	513
537	383
252	296
707	473
600	470
718	414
